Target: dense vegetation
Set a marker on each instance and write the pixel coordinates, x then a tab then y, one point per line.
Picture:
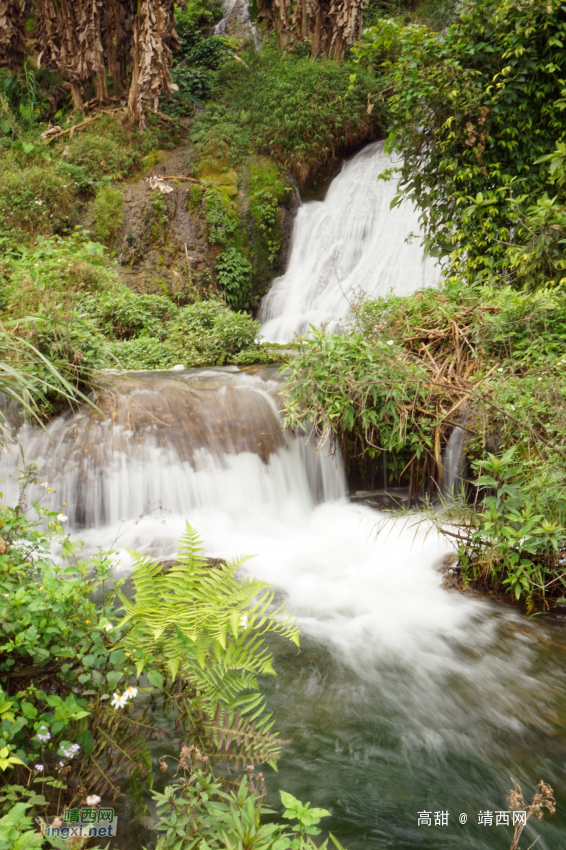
477	113
88	677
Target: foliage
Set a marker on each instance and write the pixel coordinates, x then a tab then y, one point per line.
520	533
218	134
59	660
214	647
193	19
36	201
17	831
305	113
407	370
194	86
52	272
221	218
199	810
103	156
477	115
80	317
67	646
124	314
28	377
108	214
235	277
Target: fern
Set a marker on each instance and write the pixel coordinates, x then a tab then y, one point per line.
206	629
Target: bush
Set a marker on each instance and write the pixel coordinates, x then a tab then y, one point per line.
221	218
37	201
193	19
235	277
103	156
53	273
194	86
108	214
125	314
219	134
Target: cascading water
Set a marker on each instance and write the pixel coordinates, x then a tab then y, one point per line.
403	697
348	243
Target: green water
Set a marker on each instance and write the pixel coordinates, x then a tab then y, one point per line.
377	745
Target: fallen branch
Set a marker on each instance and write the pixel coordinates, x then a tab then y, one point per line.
174	177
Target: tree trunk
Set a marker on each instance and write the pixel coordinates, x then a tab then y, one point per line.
78	102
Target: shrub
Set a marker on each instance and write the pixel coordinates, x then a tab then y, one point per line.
37	201
125	314
70	639
193	19
146	352
476	115
194	86
108	214
235	277
103	156
53	273
209	52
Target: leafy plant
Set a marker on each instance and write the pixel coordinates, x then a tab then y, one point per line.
221	219
235	277
37	201
198	809
214	647
305	113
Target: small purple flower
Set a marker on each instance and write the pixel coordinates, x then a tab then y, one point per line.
39	767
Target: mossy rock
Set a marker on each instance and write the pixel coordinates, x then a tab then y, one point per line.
195	194
265	176
220	174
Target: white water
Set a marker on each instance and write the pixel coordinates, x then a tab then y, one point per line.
348	243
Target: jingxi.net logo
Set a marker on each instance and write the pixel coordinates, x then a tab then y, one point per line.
82	823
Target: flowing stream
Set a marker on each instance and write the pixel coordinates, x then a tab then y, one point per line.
404	697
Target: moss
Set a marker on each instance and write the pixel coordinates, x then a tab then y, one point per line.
265	176
195	195
108	214
221	175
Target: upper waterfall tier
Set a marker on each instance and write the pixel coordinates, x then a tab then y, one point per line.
351	242
177	440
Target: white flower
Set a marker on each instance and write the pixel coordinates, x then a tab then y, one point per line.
500	370
45	484
107	627
39	767
390	342
131	692
244	622
539	379
92	800
61	764
44	734
62	517
119	701
70	752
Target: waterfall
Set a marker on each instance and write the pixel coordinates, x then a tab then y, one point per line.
351	242
174	442
453	459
